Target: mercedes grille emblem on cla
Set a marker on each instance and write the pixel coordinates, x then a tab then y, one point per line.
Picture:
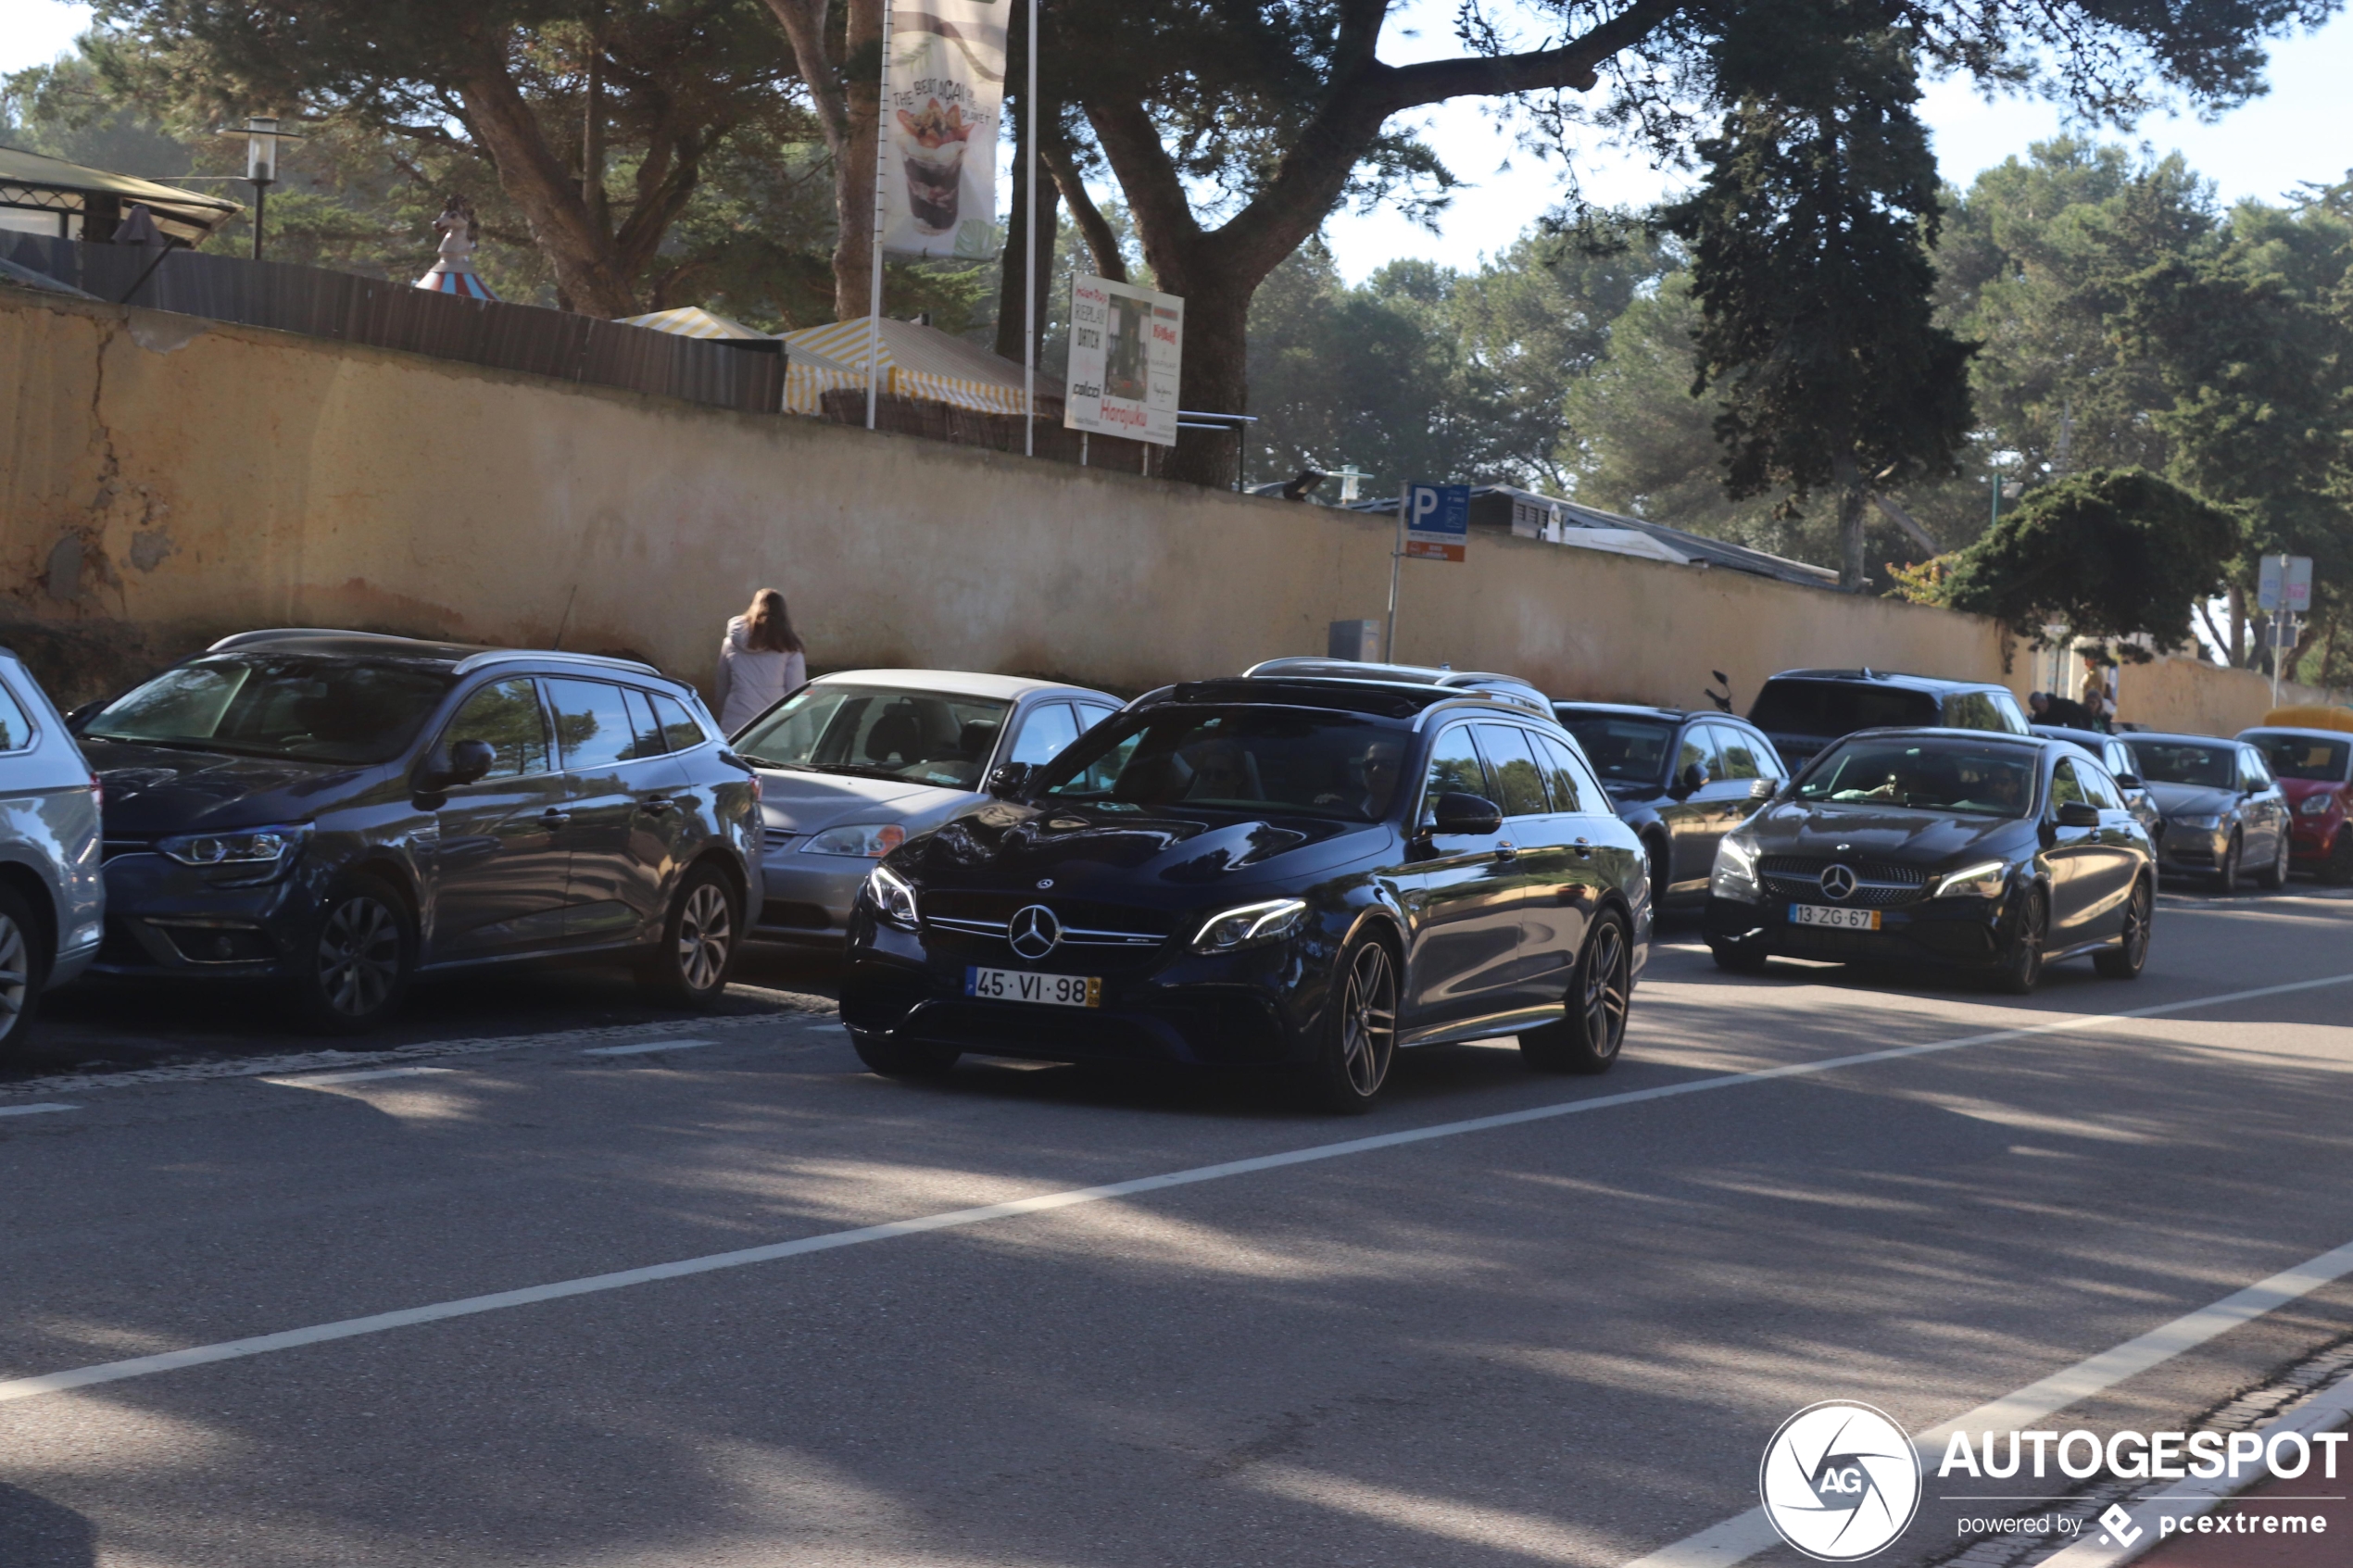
1838	883
1034	932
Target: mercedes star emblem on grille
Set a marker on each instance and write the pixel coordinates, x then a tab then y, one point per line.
1838	883
1034	932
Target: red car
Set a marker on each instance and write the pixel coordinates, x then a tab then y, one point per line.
2315	770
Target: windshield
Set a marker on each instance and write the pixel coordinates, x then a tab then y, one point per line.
278	704
2304	757
1839	708
1924	776
1256	759
1623	749
2213	767
879	732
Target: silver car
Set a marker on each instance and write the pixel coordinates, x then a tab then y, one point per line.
855	764
53	895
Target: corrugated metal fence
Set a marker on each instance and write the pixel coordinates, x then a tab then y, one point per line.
351	308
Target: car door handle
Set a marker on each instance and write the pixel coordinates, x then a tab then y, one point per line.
654	805
554	817
1584	847
1505	853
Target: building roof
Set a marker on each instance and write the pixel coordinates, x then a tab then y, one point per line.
36	179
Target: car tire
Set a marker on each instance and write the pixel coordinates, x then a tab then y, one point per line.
1357	1044
700	936
2124	962
353	970
2336	866
1740	958
1601	993
902	1059
1655	864
2226	876
2274	876
2020	967
24	972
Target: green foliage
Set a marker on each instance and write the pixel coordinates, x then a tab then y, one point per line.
2110	554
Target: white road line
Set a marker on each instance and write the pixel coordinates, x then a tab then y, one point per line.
35	1109
322	1080
350	1328
647	1047
1742	1536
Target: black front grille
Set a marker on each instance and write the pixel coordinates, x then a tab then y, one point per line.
1877	882
112	848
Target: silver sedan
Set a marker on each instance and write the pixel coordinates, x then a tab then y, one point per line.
855	764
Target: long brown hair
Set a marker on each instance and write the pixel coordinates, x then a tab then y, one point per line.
768	624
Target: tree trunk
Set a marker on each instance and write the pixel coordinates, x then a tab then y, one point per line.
589	277
1215	377
1012	314
2238	623
854	162
1850	525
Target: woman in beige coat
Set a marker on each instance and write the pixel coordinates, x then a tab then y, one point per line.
760	663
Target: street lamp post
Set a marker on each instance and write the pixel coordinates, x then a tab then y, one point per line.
262	136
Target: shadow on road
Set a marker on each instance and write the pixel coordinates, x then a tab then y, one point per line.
36	1532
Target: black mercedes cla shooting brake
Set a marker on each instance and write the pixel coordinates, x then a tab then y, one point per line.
339	811
1965	850
1293	874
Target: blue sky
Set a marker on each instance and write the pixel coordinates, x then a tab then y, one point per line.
2301	131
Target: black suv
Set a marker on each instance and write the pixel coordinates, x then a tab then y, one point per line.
1273	873
339	810
1804	711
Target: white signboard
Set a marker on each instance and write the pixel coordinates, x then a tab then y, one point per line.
1126	344
2285	584
946	83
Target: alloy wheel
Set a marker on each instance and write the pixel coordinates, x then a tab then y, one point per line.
1368	1021
2137	911
16	974
359	957
705	930
1606	991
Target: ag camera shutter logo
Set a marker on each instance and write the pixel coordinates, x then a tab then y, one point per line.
1839	1481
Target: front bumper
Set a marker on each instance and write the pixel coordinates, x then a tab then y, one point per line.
2313	837
1257	1007
2192	852
809	897
167	918
1953	933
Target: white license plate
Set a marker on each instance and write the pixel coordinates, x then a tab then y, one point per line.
1831	915
1026	985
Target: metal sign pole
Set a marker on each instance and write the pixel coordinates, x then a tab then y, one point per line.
1029	253
1396	560
873	290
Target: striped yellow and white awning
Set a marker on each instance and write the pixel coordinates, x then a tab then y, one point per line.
692	321
916	361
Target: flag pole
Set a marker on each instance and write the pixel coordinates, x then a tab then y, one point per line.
1029	253
1396	559
873	290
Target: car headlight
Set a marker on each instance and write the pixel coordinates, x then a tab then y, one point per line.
1735	873
1250	925
893	897
2205	824
2315	805
249	849
867	841
1983	880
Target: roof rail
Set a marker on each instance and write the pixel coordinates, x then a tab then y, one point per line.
588	660
1483	702
288	634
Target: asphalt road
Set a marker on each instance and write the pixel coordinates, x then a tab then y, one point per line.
920	1333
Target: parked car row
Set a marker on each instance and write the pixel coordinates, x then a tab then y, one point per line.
1306	867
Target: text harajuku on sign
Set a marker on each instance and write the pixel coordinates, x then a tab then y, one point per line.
1125	346
947	82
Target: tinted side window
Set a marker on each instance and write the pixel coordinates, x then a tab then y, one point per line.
1562	773
2006	709
1091	714
641	719
2065	789
2251	766
1969	710
1699	746
507	716
592	724
1453	769
1514	765
1043	734
2098	789
2115	759
679	731
16	729
1731	746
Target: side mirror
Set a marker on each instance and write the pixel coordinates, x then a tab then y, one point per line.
2129	781
2079	814
1691	780
461	764
1469	815
1009	779
1763	789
